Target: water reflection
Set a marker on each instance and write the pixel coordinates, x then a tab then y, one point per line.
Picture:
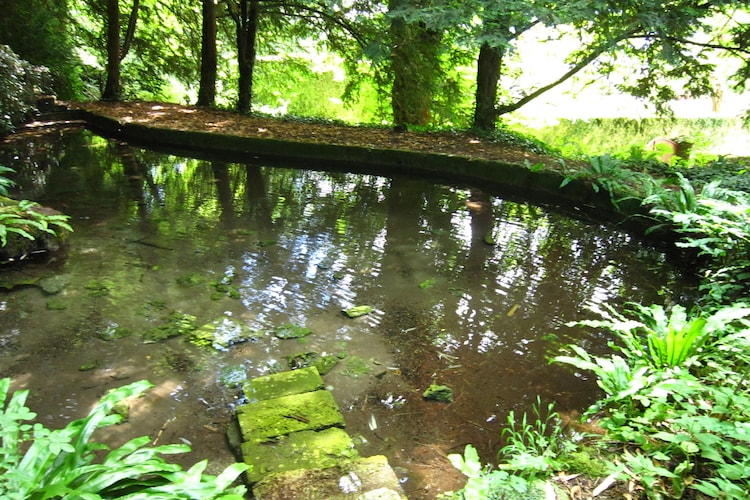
468	289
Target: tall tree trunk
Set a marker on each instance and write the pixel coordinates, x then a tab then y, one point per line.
247	30
207	88
415	67
488	77
112	87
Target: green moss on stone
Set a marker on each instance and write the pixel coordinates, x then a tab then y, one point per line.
301	450
289	331
441	393
269	419
283	384
370	477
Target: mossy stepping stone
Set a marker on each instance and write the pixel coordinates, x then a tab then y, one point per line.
370	477
283	384
273	418
300	450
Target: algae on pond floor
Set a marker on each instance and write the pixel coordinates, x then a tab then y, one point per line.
223	333
176	324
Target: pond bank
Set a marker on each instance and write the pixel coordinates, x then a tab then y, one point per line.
211	134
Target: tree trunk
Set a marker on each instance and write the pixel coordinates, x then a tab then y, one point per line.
112	87
488	76
207	88
247	30
415	68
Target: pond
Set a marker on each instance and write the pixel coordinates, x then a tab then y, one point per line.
467	290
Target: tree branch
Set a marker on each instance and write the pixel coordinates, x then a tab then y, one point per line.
130	33
591	57
716	46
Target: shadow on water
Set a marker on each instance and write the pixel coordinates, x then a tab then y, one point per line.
468	290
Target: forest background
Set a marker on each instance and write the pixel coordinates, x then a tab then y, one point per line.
556	70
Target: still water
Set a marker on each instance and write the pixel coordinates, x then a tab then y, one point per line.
467	289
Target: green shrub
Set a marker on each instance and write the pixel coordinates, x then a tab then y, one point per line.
39	463
19	84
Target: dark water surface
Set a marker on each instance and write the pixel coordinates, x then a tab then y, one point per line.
157	234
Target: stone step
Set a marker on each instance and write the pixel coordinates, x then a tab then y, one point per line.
291	435
273	418
298	451
282	384
365	478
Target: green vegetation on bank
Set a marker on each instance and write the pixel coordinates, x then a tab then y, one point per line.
675	412
40	463
709	137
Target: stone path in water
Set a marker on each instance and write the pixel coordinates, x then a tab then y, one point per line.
291	434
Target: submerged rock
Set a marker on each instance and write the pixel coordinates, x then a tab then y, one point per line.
52	285
357	311
222	333
324	363
176	324
113	331
289	331
232	376
441	393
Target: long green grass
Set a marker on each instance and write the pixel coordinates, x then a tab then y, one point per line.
711	137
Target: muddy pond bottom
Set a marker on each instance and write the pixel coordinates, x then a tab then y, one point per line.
197	274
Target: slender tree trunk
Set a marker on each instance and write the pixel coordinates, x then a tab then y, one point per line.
130	33
207	88
488	77
247	30
112	87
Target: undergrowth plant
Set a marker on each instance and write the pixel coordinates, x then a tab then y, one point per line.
713	222
23	218
676	397
535	446
612	175
38	463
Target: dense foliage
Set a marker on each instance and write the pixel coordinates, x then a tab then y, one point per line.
20	83
39	31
